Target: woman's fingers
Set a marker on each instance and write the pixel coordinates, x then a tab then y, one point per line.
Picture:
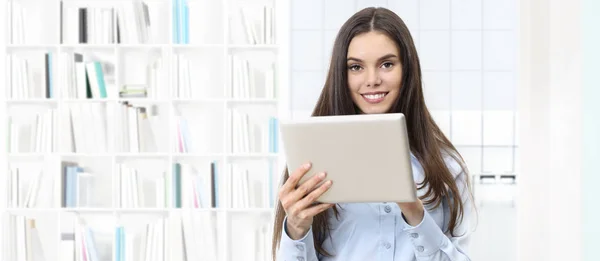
314	210
308	186
294	177
314	195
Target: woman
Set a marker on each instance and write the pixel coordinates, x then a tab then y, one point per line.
375	69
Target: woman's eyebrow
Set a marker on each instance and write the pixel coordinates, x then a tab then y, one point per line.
387	56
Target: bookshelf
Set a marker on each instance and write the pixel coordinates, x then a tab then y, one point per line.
142	130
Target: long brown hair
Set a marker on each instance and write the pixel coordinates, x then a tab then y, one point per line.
428	143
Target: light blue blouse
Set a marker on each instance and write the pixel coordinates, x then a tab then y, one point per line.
378	232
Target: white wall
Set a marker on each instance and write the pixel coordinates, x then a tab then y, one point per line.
3	164
551	97
591	128
468	51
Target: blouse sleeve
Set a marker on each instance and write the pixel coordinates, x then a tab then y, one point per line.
302	249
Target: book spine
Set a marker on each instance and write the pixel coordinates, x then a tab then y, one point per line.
100	78
176	21
214	186
47	74
82	25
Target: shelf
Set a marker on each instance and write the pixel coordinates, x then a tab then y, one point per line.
198	155
252	101
87	100
197	46
85	155
31	211
254	46
87	46
10	48
54	47
36	101
149	155
97	139
252	155
191	101
30	155
458	146
227	100
88	210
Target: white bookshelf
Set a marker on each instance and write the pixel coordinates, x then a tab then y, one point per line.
91	128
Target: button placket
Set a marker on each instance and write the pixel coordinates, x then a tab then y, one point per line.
388	224
387	245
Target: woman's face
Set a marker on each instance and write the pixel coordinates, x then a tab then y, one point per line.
374	72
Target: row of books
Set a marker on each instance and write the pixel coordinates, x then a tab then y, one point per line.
127	22
83	79
23	187
31	77
85	129
139	126
187	186
186	237
154	79
261	30
87	78
33	133
181	236
253	135
247	188
18	25
23	239
248	82
131	22
76	183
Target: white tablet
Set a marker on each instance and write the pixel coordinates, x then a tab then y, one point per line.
367	156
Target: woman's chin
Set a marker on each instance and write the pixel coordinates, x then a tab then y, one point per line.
374	109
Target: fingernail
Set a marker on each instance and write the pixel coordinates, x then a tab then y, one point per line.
307	165
329	182
322	175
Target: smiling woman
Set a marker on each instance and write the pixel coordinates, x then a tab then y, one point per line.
375	69
374	72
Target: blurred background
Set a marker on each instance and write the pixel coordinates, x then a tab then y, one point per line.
513	84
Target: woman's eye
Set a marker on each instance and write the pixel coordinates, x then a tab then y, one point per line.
387	65
354	67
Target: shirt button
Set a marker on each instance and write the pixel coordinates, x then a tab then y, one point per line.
420	248
387	245
300	247
414	235
387	209
300	258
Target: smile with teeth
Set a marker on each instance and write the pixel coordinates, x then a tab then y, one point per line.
374	97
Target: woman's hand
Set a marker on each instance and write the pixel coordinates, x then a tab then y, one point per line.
413	212
298	202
